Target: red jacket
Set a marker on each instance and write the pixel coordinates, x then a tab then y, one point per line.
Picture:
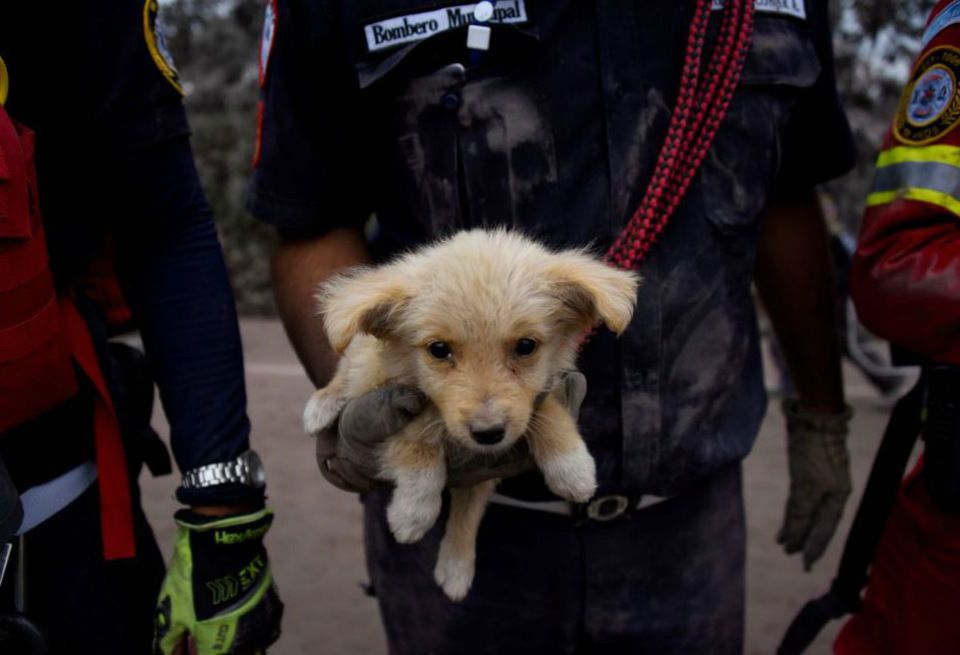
905	279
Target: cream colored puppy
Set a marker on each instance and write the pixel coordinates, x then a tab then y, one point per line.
483	323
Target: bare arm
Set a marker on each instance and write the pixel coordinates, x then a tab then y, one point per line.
795	279
298	267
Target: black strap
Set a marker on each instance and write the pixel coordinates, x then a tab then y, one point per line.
11	511
864	537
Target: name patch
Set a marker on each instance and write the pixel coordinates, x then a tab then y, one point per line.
930	106
795	8
416	27
946	18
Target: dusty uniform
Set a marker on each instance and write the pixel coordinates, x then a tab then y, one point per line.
378	107
906	284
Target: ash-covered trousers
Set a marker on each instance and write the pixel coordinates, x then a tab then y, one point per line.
667	579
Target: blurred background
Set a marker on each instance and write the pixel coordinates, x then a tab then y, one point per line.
316	543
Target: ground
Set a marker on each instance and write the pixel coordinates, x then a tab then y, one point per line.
316	547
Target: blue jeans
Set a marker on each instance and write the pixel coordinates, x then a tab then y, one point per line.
665	579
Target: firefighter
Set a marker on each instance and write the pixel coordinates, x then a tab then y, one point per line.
100	203
683	139
906	284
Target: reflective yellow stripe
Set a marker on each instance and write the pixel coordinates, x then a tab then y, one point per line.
4	82
938	198
940	154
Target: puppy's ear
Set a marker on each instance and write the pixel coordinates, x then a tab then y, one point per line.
365	300
591	291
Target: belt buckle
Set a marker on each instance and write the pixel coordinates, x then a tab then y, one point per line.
607	508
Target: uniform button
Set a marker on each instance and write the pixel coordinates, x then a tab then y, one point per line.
483	11
451	100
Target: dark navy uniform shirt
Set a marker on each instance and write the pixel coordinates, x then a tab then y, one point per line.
375	106
96	82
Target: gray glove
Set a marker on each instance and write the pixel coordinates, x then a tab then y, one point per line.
819	479
346	452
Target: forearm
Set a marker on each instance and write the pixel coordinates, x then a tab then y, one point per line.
795	280
298	267
180	292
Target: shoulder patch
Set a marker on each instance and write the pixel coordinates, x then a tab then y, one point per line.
157	44
266	39
930	107
949	16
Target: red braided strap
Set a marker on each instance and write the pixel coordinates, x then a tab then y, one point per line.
702	103
703	100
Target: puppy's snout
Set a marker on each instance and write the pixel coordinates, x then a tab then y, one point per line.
488	437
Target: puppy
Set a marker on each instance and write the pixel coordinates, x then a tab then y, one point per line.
483	323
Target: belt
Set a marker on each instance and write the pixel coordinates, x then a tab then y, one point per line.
602	508
44	500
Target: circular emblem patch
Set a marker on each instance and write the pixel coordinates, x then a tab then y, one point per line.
930	107
157	44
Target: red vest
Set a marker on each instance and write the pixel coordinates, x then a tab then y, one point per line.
36	370
42	336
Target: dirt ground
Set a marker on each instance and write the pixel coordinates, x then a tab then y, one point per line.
316	548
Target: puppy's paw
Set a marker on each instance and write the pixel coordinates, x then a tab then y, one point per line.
321	411
410	517
572	475
454	574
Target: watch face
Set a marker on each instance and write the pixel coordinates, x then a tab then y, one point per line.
258	477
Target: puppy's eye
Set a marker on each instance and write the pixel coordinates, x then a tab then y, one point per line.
525	347
440	350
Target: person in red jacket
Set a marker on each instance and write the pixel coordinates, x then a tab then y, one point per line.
905	282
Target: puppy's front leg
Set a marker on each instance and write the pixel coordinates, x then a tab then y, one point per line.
458	550
325	406
561	454
415	463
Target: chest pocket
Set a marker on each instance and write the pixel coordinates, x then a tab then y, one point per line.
469	147
741	167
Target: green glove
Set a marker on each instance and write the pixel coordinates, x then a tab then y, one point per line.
219	590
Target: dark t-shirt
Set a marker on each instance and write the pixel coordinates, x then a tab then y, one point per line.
376	106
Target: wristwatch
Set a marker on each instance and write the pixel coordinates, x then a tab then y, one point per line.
246	469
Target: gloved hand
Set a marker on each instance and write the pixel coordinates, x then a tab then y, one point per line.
819	479
219	591
346	452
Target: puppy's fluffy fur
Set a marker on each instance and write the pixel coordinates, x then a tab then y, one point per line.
456	320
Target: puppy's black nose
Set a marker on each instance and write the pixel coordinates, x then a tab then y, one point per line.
488	437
